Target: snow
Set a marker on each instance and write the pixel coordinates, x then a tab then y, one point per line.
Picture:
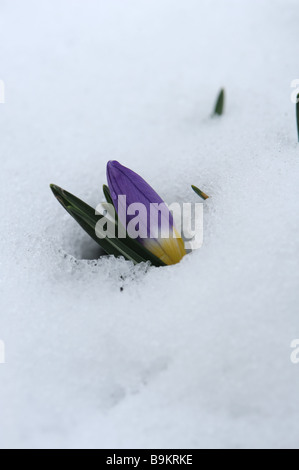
193	355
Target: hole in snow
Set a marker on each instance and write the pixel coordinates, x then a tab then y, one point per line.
90	250
80	246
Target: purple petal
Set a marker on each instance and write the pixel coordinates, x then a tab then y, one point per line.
155	221
124	182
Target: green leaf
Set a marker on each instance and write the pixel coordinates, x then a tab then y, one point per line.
83	214
112	246
110	250
87	218
107	194
219	107
108	198
68	200
200	193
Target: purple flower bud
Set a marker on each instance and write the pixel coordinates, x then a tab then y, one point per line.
144	214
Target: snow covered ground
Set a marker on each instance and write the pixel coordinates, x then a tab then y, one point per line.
193	355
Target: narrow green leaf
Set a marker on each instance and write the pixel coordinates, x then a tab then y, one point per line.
107	194
87	218
110	250
67	200
111	245
108	198
297	114
200	193
84	215
219	107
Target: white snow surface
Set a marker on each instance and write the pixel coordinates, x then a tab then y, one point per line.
195	355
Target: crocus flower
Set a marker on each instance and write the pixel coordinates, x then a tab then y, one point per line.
156	230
